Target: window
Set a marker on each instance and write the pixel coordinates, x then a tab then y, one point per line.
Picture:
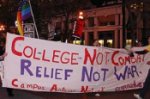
58	25
91	38
91	21
58	28
106	20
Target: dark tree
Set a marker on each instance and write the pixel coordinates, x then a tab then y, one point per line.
43	10
97	2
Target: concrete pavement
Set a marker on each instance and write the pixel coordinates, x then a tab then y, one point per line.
23	94
18	94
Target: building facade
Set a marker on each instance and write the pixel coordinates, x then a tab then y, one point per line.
106	24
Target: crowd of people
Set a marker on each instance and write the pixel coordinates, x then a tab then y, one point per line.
2	56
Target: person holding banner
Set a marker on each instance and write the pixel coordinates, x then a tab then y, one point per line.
97	44
2	49
2	56
146	85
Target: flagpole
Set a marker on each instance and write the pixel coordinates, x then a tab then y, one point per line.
34	20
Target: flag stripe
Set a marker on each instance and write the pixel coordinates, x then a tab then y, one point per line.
23	13
26	16
26	12
19	22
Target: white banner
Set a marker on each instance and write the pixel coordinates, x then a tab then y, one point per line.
40	65
1	69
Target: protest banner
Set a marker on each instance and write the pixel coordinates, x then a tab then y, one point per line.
1	69
40	65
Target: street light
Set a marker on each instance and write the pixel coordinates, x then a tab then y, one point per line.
81	15
2	27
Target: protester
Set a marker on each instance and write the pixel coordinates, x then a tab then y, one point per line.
146	85
97	44
2	45
2	56
139	44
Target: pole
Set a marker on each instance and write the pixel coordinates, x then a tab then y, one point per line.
124	23
34	20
